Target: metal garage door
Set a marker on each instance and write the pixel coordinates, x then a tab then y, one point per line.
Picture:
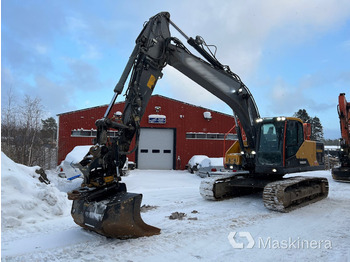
156	148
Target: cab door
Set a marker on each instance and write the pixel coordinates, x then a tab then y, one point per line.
294	138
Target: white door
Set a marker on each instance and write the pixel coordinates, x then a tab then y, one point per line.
156	148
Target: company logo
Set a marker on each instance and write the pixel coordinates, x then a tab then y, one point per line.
242	238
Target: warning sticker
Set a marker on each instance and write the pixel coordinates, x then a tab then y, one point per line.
151	81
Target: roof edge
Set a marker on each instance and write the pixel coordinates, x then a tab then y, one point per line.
156	95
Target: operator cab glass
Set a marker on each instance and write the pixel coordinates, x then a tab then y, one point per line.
294	138
270	148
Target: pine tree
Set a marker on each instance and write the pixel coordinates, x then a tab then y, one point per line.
49	130
303	115
316	126
49	138
316	129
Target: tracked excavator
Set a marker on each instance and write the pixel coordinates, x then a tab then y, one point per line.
273	146
342	173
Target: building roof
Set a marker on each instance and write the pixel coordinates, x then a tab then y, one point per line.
160	96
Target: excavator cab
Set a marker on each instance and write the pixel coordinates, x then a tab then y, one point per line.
282	147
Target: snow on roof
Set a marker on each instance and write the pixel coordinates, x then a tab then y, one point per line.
196	159
77	154
213	161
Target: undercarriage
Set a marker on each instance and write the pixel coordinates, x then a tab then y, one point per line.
279	194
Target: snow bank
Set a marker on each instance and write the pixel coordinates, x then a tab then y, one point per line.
25	199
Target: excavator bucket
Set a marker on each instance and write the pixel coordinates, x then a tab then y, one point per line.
341	174
117	216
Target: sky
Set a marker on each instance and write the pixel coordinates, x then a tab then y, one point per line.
70	54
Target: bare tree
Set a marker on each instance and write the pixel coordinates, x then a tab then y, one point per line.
25	137
9	124
20	126
31	114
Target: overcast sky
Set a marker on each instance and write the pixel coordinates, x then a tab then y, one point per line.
291	54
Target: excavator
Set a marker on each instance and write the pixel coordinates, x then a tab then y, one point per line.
271	148
342	173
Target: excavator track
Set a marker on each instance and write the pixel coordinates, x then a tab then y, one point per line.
291	193
282	195
207	187
225	186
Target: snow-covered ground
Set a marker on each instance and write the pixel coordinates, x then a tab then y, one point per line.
37	226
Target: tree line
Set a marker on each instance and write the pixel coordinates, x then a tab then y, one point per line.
26	137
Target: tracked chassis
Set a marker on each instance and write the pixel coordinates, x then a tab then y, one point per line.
282	195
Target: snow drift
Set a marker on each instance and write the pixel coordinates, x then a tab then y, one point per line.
25	199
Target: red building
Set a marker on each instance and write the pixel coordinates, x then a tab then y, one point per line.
171	132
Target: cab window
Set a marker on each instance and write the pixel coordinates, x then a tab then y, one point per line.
271	143
294	137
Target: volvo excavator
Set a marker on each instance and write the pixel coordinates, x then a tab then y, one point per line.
342	173
272	147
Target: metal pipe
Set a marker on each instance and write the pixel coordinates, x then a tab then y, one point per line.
111	105
179	30
120	85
